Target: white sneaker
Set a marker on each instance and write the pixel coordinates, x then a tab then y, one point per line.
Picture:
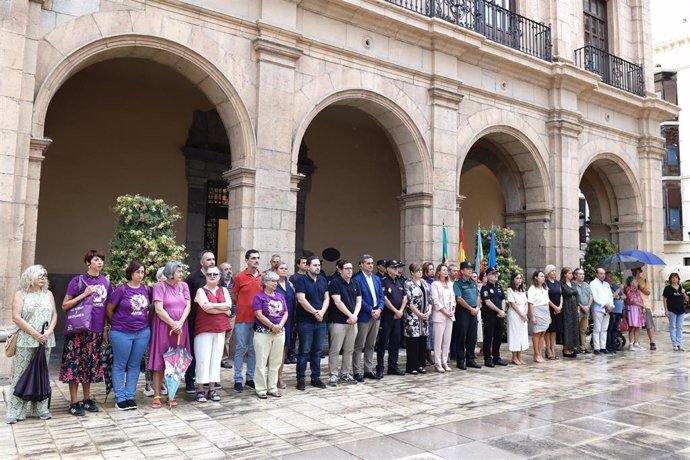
632	347
640	347
164	391
148	390
681	349
333	381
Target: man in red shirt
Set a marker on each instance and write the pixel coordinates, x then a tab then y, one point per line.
247	285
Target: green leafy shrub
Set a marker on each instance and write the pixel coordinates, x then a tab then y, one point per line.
595	252
144	232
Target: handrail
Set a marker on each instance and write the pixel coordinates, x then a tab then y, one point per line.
614	71
496	23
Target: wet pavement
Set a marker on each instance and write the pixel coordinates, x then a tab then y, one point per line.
632	405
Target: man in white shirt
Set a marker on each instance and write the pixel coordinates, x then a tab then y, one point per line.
602	304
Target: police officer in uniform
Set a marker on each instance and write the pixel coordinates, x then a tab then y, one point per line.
467	299
493	318
395	301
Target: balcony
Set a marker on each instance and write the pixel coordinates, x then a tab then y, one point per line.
673	233
613	70
492	21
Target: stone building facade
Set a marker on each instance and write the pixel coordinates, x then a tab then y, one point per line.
320	102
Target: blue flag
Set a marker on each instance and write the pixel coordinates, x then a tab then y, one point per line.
492	250
444	258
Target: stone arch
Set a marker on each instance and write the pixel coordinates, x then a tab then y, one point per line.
401	128
614	198
81	43
522	156
517	156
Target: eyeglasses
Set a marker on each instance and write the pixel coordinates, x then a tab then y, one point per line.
43	275
211	275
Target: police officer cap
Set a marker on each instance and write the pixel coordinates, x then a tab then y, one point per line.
394	263
381	262
491	270
464	265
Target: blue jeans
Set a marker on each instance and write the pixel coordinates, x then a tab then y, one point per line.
128	349
675	326
244	343
311	337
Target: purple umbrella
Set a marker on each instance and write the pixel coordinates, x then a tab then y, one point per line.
34	384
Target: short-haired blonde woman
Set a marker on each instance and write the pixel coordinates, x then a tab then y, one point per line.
271	314
33	306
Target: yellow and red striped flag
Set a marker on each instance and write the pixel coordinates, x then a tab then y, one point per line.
462	248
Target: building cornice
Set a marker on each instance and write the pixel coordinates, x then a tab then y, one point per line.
240	177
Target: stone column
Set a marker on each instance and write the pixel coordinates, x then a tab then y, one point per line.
532	234
37	149
276	190
651	151
416	211
19	31
241	196
564	128
444	98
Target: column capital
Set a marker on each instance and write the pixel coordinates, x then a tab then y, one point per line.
416	200
564	122
445	93
651	147
529	215
273	51
38	147
458	201
240	177
295	179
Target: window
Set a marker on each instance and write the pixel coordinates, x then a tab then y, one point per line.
666	87
673	214
671	160
686	261
595	24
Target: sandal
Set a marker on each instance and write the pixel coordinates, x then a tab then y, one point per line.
201	397
172	402
156	402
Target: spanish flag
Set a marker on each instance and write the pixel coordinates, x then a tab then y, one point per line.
462	248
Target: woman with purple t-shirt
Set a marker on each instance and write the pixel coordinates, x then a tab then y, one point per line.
172	303
81	357
271	313
128	313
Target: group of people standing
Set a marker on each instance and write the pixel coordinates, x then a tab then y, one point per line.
441	312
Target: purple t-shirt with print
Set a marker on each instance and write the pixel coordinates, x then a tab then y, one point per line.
273	307
131	308
101	288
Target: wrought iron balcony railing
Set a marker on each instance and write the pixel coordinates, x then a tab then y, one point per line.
613	70
494	22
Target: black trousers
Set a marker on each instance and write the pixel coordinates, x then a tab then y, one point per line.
416	349
388	339
465	330
190	375
492	327
612	331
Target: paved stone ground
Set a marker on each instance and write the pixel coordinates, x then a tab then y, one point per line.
634	405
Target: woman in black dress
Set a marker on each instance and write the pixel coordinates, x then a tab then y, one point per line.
555	306
571	329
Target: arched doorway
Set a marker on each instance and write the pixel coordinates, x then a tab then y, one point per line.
349	198
503	183
610	198
128	125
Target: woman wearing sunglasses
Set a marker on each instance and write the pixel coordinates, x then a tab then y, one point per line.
212	322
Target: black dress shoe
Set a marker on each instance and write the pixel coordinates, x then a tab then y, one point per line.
396	371
486	363
462	366
474	365
604	351
318	383
301	385
500	362
421	370
596	352
359	378
379	374
369	375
